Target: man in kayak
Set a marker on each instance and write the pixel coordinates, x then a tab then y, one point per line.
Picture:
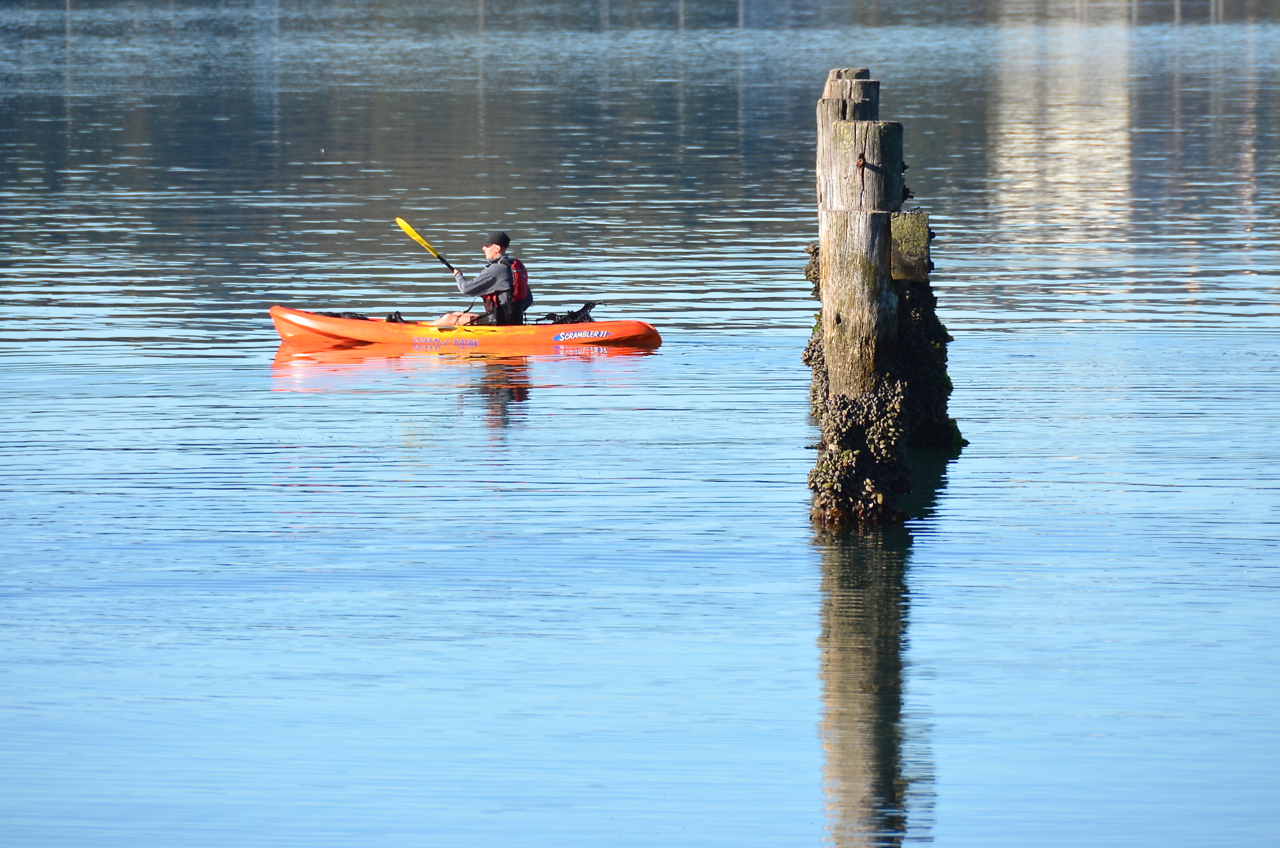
504	285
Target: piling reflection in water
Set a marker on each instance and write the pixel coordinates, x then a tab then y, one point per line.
863	622
878	773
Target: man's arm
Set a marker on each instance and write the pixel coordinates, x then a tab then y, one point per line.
494	278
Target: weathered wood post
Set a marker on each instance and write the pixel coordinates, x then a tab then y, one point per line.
879	337
859	184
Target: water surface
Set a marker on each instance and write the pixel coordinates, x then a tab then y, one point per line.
417	599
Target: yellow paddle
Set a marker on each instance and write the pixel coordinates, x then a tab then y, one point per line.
413	234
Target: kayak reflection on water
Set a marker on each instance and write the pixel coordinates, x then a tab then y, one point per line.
355	367
309	350
363	368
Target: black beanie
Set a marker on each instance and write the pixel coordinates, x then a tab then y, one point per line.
497	237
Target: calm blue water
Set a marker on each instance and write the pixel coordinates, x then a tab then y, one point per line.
419	600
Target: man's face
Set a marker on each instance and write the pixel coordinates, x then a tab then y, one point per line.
492	251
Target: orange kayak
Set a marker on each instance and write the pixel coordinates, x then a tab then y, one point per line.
310	327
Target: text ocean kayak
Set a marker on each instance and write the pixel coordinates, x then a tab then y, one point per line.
299	326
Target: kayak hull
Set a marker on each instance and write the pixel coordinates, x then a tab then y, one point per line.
298	326
306	351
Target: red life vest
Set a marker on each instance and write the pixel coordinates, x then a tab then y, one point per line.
521	296
519	281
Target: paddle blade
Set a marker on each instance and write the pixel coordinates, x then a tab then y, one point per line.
413	234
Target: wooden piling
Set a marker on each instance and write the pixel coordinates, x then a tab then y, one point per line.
859	163
853	89
859	182
878	355
859	301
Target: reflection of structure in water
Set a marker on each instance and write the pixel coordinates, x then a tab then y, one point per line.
878	772
863	619
503	382
357	367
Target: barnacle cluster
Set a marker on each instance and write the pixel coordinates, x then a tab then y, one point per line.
819	386
922	364
862	466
